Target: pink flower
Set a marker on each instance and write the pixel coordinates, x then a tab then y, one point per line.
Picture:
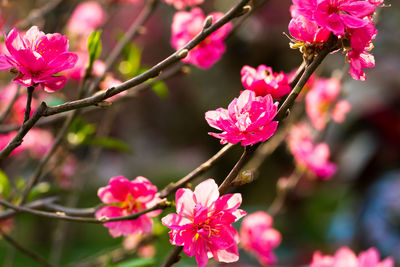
186	25
248	119
258	236
306	30
312	157
346	257
126	197
38	57
340	110
87	17
181	4
203	223
264	81
78	71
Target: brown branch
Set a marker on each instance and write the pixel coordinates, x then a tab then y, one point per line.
24	250
173	257
33	205
28	103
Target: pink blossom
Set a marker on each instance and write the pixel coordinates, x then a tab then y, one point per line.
203	223
181	4
346	257
125	197
312	157
258	236
78	71
87	17
186	25
341	108
264	81
306	30
248	119
38	57
319	100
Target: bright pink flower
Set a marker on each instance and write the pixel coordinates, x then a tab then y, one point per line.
258	236
181	4
345	257
87	17
312	157
126	197
186	25
264	81
38	57
306	30
248	119
319	100
203	223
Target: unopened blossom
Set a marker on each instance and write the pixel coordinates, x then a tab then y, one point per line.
203	223
181	4
306	30
87	17
320	103
248	119
38	57
313	157
264	81
186	25
124	197
345	257
258	237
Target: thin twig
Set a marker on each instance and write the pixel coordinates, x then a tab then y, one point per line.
33	205
173	257
36	14
24	250
28	103
7	110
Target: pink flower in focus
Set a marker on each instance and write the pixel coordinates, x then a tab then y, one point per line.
181	4
306	30
126	197
248	119
258	236
264	81
38	57
345	257
87	17
186	25
312	157
203	223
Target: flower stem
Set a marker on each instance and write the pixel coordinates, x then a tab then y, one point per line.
28	103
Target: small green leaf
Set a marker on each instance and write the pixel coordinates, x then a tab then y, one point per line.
131	65
4	185
140	262
94	47
111	143
161	89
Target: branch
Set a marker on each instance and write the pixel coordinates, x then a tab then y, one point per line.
28	103
34	204
36	14
24	250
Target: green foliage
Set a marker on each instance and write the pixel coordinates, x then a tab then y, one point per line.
109	142
138	262
94	47
131	65
4	185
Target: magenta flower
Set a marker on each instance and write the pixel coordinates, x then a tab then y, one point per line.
124	197
264	81
38	57
87	17
258	237
203	223
306	30
181	4
248	119
186	25
346	257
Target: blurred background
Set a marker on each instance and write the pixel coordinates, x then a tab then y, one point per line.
161	134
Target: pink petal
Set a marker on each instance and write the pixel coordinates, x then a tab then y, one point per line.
184	200
206	192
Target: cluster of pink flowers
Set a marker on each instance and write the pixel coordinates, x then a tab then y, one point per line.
258	237
264	81
186	25
310	156
203	223
248	119
38	57
124	197
320	103
314	20
346	257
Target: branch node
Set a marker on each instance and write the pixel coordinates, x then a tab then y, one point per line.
208	22
183	53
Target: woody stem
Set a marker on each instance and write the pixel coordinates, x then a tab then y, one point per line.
28	103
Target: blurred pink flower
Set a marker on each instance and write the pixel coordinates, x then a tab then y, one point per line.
248	119
345	257
38	57
125	197
264	81
306	30
78	71
258	237
341	108
186	25
181	4
203	223
87	17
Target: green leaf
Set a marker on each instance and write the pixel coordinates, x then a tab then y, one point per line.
161	89
38	190
111	143
131	65
140	262
4	185
94	47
